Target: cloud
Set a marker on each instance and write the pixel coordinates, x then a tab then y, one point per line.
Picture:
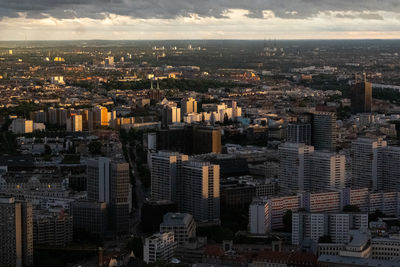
170	9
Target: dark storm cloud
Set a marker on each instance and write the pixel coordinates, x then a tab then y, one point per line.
206	8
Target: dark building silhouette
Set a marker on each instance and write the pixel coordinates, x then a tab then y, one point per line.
324	131
361	95
190	139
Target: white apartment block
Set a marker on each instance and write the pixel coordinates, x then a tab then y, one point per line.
327	171
312	226
159	247
294	166
367	163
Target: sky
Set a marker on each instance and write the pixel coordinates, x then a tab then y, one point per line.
198	19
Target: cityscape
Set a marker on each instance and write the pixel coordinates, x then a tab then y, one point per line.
204	152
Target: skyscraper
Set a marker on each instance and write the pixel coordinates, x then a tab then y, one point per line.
188	105
294	167
201	191
327	171
361	95
16	233
324	131
367	163
166	175
108	181
74	123
299	133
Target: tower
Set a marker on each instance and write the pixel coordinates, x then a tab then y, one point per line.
361	95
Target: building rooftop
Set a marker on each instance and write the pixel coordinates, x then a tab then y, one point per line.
176	219
353	261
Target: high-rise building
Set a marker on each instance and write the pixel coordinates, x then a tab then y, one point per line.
74	123
182	224
170	115
327	171
366	155
294	167
100	116
324	131
188	105
166	172
201	190
361	95
90	216
52	229
108	181
390	169
21	126
159	247
206	139
299	133
16	233
259	216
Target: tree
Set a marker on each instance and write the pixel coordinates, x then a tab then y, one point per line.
95	147
263	123
47	149
351	208
287	220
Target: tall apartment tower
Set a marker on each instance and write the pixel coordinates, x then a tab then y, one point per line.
361	95
299	133
294	167
188	105
171	115
327	171
367	159
390	169
201	190
16	233
324	131
100	116
166	176
108	181
74	123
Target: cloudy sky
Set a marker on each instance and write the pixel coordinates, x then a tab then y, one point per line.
198	19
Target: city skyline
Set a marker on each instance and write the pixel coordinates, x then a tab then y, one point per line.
173	19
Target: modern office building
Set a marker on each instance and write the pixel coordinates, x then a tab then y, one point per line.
294	167
166	173
361	95
90	216
201	190
327	171
299	133
159	247
206	139
367	161
182	224
108	181
324	131
16	233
